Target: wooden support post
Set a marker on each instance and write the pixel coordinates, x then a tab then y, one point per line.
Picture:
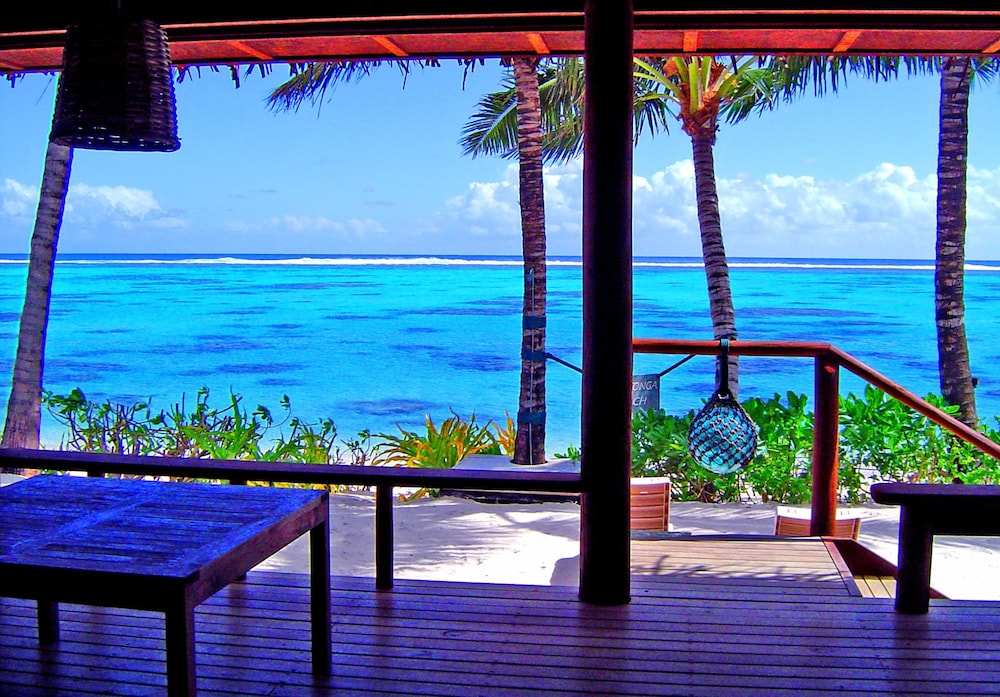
607	304
48	621
383	537
826	446
319	595
916	543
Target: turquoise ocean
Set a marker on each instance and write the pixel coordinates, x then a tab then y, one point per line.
376	342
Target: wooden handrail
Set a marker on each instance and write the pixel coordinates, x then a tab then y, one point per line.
781	349
945	421
829	359
292	472
809	349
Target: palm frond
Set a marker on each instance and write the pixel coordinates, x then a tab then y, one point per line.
561	91
492	128
310	82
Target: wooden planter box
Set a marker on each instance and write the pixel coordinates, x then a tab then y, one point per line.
650	503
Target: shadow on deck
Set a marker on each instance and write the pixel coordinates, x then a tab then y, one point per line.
708	617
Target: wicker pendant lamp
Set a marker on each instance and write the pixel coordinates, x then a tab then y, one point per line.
115	91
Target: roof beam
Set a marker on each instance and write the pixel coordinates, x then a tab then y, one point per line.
846	41
390	46
205	33
250	51
538	43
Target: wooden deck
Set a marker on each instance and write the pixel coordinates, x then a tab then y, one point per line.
707	617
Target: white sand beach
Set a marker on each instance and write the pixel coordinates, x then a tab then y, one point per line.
459	539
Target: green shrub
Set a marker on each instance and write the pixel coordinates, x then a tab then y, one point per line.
881	439
227	433
782	469
888	441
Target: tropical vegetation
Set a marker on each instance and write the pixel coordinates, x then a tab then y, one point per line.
700	90
235	431
880	440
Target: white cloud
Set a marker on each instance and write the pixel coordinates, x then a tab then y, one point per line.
301	225
886	212
123	200
493	209
17	200
488	208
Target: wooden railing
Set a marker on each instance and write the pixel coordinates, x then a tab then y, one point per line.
826	426
383	479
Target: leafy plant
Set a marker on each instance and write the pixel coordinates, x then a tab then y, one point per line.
106	428
505	436
572	453
782	469
440	448
890	442
203	431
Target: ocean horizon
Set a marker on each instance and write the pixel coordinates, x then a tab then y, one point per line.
478	260
379	342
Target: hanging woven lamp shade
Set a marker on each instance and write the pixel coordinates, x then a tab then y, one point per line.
115	91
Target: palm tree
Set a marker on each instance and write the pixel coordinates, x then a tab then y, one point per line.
514	123
957	382
529	443
22	428
958	73
698	90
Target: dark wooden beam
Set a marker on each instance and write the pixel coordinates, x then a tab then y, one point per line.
607	304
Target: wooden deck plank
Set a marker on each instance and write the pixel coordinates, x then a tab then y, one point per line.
734	633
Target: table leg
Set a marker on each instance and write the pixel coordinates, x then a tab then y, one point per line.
319	573
181	677
48	621
916	539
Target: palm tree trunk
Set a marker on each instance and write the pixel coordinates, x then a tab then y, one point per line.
23	426
957	382
529	444
720	294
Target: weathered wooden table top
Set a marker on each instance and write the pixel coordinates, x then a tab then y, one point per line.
162	529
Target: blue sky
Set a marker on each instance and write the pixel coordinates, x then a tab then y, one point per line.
378	169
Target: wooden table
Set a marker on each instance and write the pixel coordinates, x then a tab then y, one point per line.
927	510
158	546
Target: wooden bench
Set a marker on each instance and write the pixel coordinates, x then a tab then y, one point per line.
927	510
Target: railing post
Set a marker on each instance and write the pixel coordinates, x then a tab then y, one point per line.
826	446
383	537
